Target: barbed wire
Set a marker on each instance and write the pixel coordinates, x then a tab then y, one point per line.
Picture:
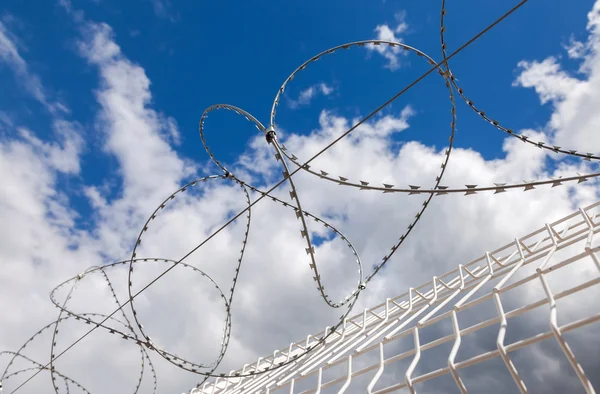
492	121
282	154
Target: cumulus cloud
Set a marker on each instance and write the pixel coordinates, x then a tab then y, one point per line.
63	155
276	300
389	33
305	96
575	118
575	49
47	244
134	133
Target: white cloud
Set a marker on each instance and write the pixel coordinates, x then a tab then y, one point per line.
9	54
575	49
5	120
387	33
77	15
164	9
306	96
575	120
66	4
44	246
546	77
63	157
275	300
135	133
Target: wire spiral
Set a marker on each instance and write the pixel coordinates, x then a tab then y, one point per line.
125	329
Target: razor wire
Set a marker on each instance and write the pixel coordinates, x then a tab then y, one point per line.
283	155
360	344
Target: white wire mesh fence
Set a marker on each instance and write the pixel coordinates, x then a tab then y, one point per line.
500	323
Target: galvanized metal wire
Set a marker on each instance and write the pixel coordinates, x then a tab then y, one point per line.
331	345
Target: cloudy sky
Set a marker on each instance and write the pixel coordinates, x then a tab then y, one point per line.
99	115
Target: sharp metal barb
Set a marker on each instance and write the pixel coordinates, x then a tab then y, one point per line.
124	328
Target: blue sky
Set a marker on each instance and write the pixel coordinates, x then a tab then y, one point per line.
99	115
200	53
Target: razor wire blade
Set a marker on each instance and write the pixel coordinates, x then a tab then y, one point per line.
283	155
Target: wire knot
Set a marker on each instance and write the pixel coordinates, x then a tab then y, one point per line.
270	136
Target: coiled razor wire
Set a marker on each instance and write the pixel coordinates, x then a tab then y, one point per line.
282	154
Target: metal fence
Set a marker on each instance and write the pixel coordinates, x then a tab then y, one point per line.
362	350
